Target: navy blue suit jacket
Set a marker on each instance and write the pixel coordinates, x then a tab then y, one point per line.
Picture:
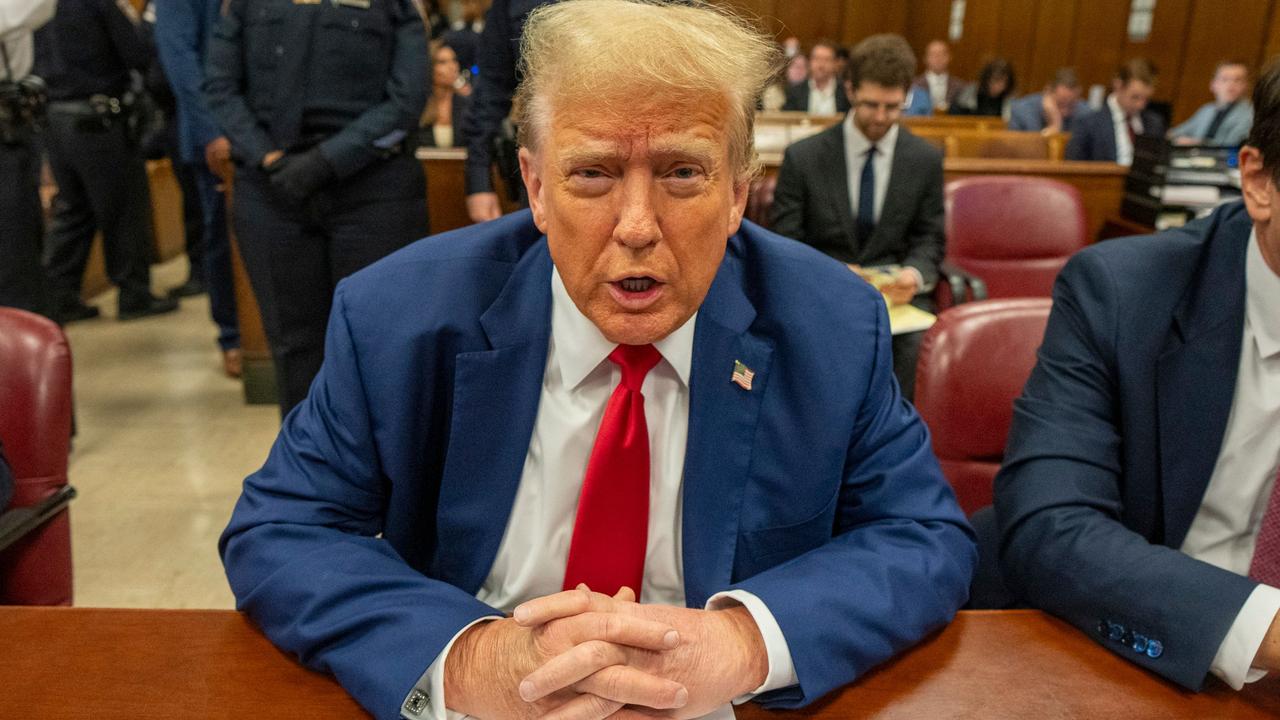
1115	438
1093	136
361	543
181	35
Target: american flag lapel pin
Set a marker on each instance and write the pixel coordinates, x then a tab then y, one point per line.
742	375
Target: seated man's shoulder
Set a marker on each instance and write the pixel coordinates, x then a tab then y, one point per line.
918	146
796	288
815	148
1159	265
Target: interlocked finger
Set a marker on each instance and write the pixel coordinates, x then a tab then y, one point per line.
584	707
561	605
630	686
569	667
618	629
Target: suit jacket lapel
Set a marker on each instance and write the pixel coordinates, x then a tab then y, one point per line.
897	193
495	403
1196	376
838	184
722	422
1108	138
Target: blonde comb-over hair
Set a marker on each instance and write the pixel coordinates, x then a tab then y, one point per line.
629	54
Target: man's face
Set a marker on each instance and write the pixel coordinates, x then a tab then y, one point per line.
822	64
937	57
637	206
1132	97
1229	83
1065	98
876	108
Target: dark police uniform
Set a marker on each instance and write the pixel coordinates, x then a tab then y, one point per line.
86	55
337	85
21	219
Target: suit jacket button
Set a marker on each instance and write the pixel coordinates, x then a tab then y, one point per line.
1139	643
1115	631
1127	638
1103	626
1155	649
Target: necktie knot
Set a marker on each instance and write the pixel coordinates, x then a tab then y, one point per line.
871	152
635	361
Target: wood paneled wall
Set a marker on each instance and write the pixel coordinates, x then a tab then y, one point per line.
1188	37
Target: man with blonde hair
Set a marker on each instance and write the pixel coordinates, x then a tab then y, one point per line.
667	442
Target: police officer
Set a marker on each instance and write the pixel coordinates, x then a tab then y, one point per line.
21	221
317	98
86	55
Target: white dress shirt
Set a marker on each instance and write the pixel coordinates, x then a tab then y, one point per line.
1225	528
18	19
1124	145
822	102
531	560
937	88
856	146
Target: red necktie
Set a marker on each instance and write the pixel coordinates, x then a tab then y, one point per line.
612	528
1265	566
1133	134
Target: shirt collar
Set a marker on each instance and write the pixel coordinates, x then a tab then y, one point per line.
581	347
1263	297
831	86
858	144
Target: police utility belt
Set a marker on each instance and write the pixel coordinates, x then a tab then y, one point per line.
98	114
22	104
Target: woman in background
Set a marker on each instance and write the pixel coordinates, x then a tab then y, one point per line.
992	94
447	103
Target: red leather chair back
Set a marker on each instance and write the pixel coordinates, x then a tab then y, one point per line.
1014	232
35	428
760	201
973	364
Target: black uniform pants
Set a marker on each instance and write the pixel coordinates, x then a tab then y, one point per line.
102	185
296	254
22	283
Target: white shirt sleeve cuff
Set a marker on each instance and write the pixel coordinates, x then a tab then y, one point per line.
920	287
1233	663
426	700
782	672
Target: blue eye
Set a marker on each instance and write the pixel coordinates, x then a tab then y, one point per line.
685	173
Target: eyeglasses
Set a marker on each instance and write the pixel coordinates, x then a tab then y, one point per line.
875	107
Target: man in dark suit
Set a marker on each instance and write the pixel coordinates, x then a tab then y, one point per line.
869	193
1138	499
821	94
754	477
1107	134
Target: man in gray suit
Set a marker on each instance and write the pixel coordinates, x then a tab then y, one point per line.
1228	119
1052	111
869	193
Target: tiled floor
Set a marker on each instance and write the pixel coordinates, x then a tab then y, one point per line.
164	442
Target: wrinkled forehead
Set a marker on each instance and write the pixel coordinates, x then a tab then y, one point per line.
696	122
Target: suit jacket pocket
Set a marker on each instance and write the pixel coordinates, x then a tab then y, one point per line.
759	550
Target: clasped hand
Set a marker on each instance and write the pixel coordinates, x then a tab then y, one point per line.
583	655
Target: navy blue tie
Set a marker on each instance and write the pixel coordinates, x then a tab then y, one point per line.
867	199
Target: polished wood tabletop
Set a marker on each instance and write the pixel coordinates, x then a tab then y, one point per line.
139	664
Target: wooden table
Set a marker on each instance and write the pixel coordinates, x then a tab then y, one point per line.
76	663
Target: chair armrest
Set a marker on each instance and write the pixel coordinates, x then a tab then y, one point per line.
17	522
964	285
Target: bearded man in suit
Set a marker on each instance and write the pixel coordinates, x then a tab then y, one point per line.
869	193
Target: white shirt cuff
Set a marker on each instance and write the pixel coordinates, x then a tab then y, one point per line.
1233	663
426	700
782	671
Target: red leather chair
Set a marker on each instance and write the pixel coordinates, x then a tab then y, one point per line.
1013	232
760	201
35	428
973	364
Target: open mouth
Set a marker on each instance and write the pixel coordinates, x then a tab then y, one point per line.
637	292
637	284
